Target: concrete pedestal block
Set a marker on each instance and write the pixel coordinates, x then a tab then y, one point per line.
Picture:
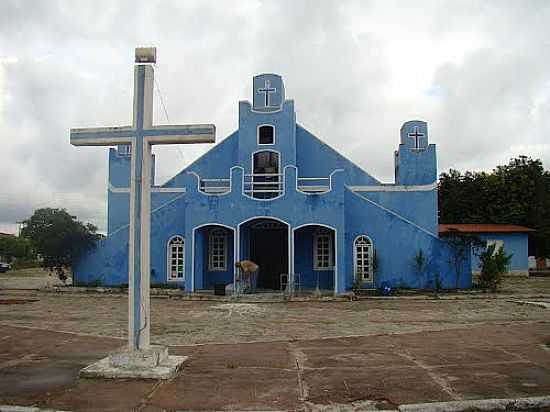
153	363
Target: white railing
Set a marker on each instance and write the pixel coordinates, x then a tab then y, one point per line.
263	185
214	186
314	184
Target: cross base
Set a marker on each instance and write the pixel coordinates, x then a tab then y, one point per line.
153	363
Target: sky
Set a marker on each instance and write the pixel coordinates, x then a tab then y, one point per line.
477	71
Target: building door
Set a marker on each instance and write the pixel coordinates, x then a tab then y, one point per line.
269	249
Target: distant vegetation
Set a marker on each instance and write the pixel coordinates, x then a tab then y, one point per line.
58	238
517	193
15	250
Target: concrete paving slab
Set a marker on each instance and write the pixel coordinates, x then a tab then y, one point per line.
485	360
229	389
102	395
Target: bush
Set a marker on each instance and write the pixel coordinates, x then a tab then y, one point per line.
493	266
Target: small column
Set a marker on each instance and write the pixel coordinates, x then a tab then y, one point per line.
237	175
191	182
290	176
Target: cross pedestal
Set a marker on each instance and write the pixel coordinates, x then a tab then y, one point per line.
140	137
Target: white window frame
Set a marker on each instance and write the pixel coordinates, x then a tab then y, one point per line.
217	234
499	244
319	233
176	244
258	134
358	267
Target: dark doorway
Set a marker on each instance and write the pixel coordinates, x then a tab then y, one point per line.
269	249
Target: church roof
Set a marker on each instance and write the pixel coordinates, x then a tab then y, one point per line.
482	228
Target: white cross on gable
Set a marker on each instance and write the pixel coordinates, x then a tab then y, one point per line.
416	135
141	136
267	90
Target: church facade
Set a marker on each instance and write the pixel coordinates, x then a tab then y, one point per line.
274	193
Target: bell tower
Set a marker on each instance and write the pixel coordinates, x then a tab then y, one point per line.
415	159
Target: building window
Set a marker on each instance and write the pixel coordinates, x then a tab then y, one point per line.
176	258
499	244
363	258
322	250
266	134
217	250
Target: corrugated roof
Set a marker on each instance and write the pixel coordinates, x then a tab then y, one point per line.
483	228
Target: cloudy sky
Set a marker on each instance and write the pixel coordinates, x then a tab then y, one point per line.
477	71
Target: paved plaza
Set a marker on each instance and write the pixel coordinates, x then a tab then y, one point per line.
277	356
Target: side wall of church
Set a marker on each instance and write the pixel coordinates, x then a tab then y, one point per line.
396	243
419	207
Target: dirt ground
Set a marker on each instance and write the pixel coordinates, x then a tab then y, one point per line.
179	322
280	356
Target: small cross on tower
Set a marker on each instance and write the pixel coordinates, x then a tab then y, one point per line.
267	90
416	135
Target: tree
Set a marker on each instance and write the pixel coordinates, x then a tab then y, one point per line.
516	193
59	238
14	247
493	265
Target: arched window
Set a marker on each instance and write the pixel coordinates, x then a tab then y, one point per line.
363	258
176	258
217	250
266	134
322	249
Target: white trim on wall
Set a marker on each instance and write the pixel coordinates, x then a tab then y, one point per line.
258	134
169	259
294	229
315	251
370	277
290	263
193	247
394	188
223	236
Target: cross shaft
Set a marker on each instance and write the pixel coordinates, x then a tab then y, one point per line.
141	136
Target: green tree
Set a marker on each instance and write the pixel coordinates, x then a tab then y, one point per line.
493	265
14	247
59	238
516	193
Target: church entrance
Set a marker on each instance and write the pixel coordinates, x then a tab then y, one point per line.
266	243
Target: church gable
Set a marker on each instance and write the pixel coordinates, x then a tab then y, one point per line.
315	158
215	163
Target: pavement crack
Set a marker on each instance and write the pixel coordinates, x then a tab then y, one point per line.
436	377
147	398
299	359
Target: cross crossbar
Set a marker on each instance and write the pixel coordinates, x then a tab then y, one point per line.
141	136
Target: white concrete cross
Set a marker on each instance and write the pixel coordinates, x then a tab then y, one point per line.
141	136
267	90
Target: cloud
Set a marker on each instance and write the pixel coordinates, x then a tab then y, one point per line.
476	71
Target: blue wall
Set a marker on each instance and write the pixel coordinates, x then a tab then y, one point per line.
400	220
303	261
516	244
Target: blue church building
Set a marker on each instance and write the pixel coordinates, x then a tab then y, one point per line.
274	193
